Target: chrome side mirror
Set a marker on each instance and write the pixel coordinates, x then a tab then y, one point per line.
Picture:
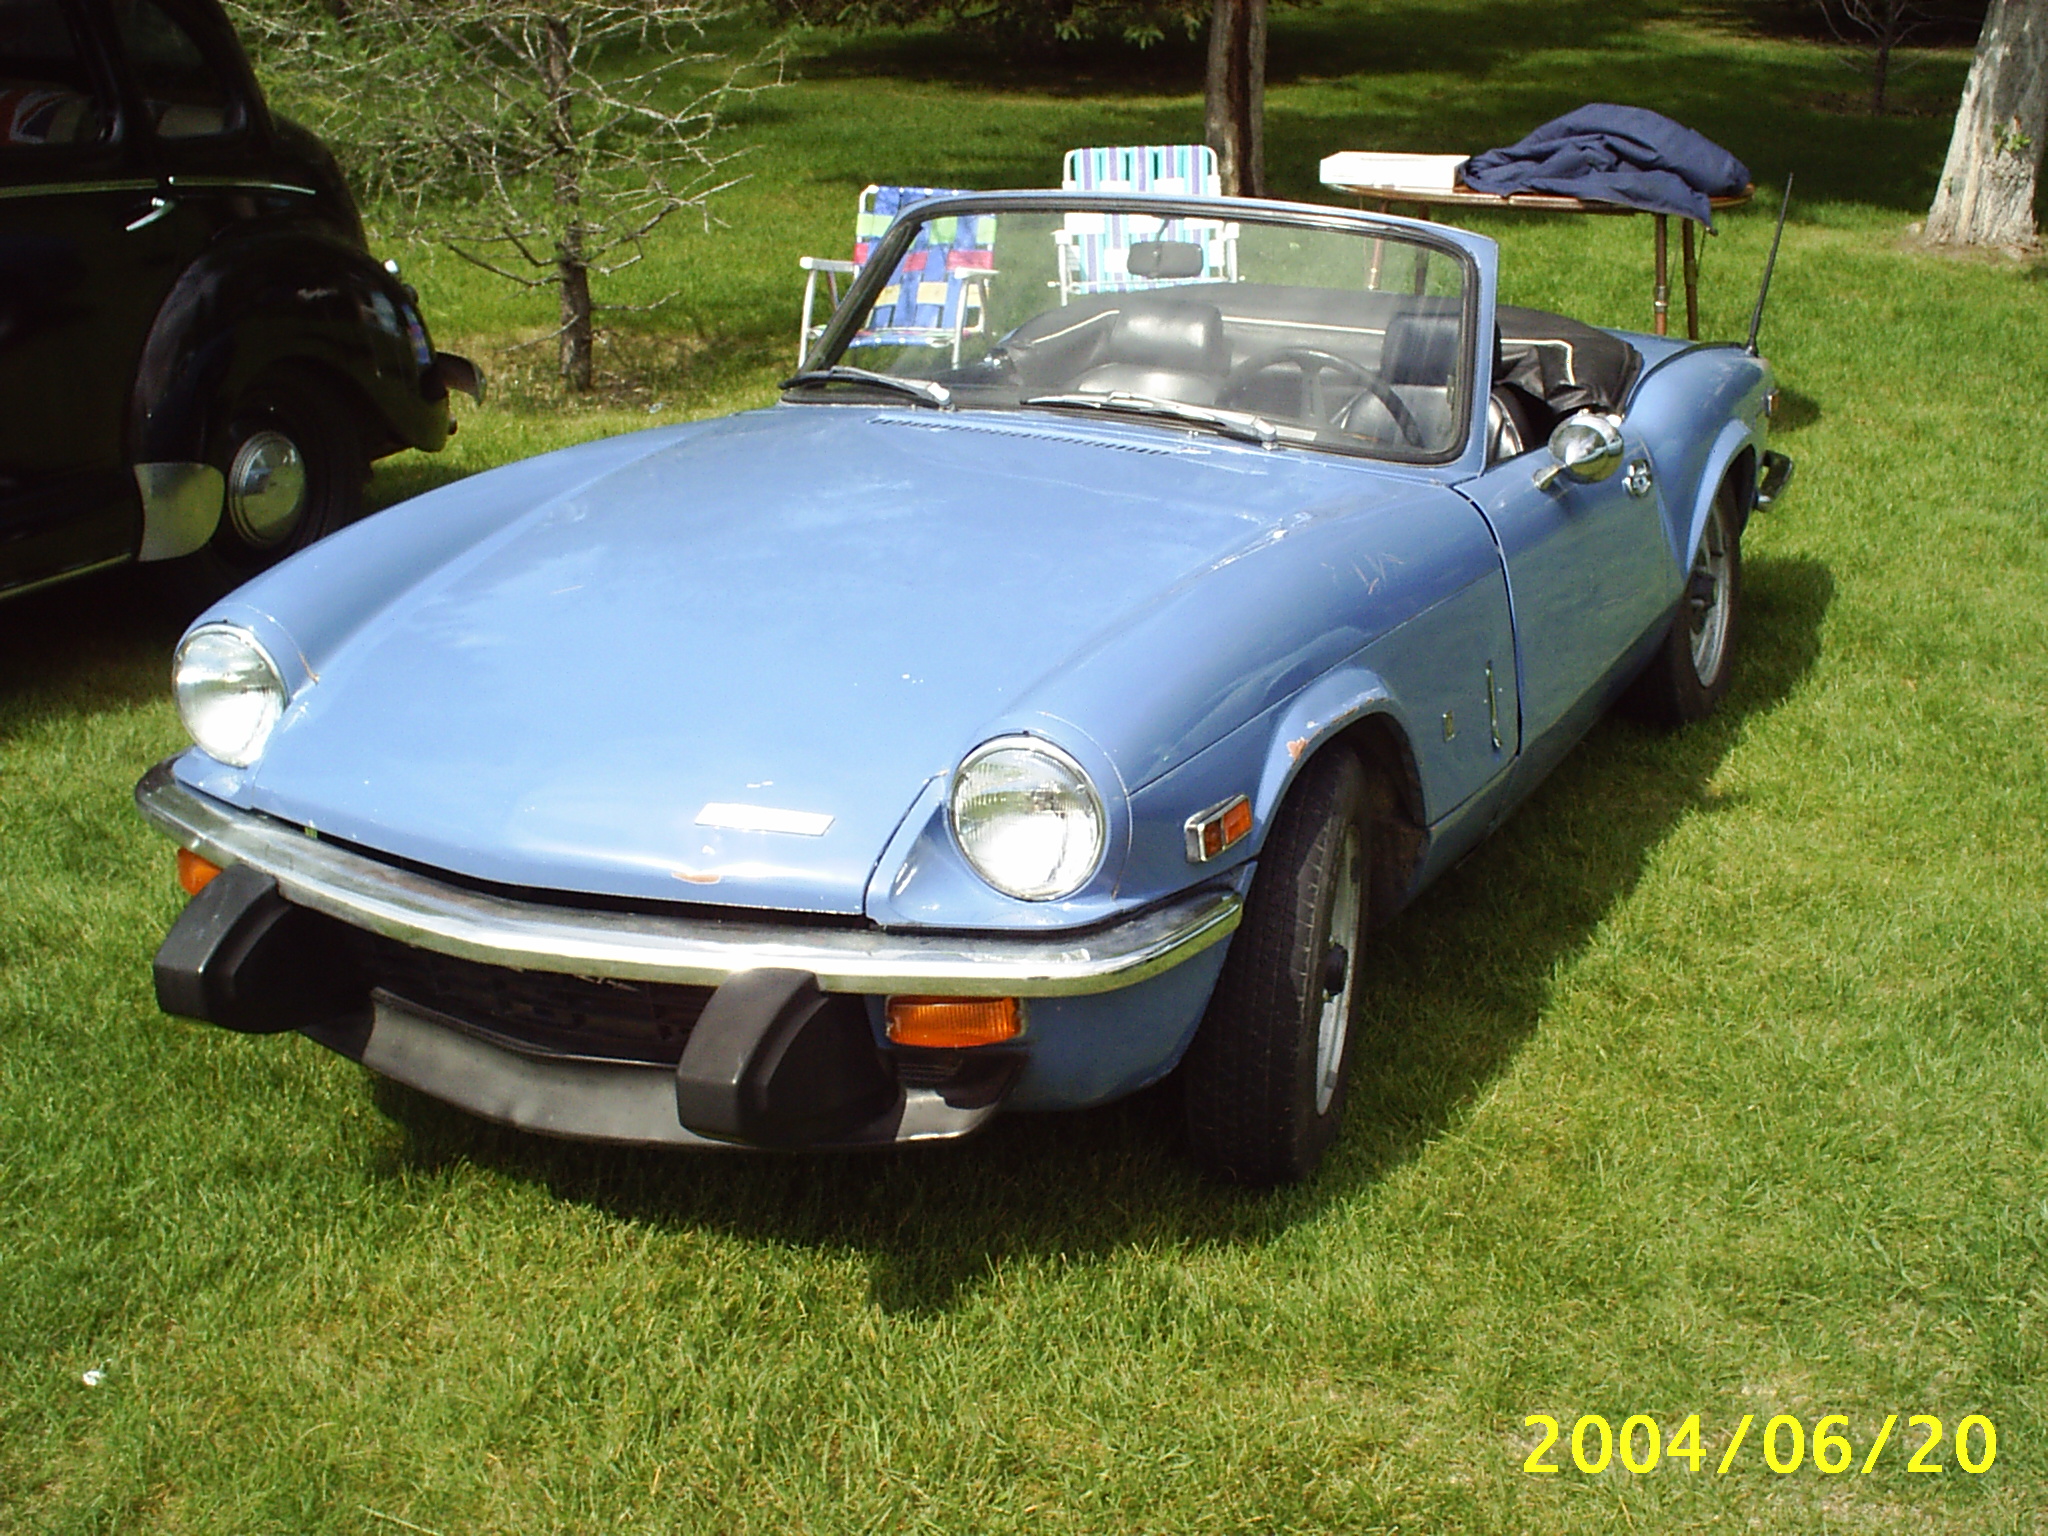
1586	446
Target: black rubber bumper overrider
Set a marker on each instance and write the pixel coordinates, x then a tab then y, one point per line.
243	957
775	1062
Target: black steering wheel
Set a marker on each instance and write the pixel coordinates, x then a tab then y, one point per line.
1312	363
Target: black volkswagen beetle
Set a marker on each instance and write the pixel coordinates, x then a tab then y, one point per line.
199	358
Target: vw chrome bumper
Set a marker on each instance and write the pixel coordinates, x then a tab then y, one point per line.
431	914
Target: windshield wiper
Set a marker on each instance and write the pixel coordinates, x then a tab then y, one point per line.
1242	425
927	390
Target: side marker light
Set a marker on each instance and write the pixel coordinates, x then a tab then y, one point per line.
1218	828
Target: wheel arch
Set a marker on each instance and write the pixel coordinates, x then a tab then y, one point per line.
1733	460
1352	710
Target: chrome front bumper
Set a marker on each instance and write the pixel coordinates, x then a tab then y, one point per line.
532	935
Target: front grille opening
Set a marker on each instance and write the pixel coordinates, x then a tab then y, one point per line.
604	1019
543	1013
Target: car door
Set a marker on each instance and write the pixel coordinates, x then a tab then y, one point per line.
72	308
99	247
201	122
1590	575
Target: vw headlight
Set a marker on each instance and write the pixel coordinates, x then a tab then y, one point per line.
1027	818
229	692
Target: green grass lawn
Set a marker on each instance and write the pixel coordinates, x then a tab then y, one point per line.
1716	1083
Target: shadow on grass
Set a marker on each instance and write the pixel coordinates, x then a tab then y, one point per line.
407	476
102	642
1459	982
1398	78
1763	110
1795	412
1316	43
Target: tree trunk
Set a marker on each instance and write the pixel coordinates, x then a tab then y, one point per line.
573	273
1986	196
1234	96
572	270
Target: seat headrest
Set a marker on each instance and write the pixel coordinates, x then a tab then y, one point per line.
1179	335
1421	348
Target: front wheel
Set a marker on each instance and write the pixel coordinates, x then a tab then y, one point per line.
1263	1082
293	458
1689	675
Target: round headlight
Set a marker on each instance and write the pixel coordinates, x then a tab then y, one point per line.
229	692
1027	818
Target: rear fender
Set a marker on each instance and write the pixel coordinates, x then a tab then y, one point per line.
1736	452
1718	383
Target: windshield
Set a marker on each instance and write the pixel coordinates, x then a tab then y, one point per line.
1278	331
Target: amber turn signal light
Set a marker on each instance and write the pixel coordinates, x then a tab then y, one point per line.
954	1021
1218	828
194	873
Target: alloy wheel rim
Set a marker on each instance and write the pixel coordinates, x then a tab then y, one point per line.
1710	618
1345	910
266	489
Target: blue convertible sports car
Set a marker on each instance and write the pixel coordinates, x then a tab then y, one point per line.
1130	601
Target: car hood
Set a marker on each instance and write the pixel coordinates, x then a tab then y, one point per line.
809	612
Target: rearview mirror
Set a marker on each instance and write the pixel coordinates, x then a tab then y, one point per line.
1586	447
1165	258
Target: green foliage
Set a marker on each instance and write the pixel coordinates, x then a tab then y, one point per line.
542	140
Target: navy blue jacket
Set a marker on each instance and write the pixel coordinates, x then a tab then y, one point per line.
1609	154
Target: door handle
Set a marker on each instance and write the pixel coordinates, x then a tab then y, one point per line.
158	207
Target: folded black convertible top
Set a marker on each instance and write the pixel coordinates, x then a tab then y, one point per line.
1567	364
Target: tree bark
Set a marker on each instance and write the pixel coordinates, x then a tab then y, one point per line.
572	269
1986	196
1234	95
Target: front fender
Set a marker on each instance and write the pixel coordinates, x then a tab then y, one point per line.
1260	760
1311	720
303	296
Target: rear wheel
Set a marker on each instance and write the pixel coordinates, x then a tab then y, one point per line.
1690	673
1264	1080
295	465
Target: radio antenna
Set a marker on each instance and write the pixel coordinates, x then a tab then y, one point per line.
1756	317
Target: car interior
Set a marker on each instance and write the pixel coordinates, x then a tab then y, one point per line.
1362	364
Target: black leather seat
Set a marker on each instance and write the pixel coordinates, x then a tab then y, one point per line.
1422	348
1173	349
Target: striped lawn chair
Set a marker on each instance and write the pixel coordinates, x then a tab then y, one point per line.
942	289
1094	248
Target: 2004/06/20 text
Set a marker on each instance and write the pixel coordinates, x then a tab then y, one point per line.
1784	1443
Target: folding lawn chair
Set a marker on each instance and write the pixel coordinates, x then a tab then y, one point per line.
943	293
1095	248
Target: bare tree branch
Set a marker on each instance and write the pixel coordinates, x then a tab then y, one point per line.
541	140
1875	30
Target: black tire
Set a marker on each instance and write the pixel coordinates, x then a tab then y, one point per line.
1264	1080
1689	675
292	454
